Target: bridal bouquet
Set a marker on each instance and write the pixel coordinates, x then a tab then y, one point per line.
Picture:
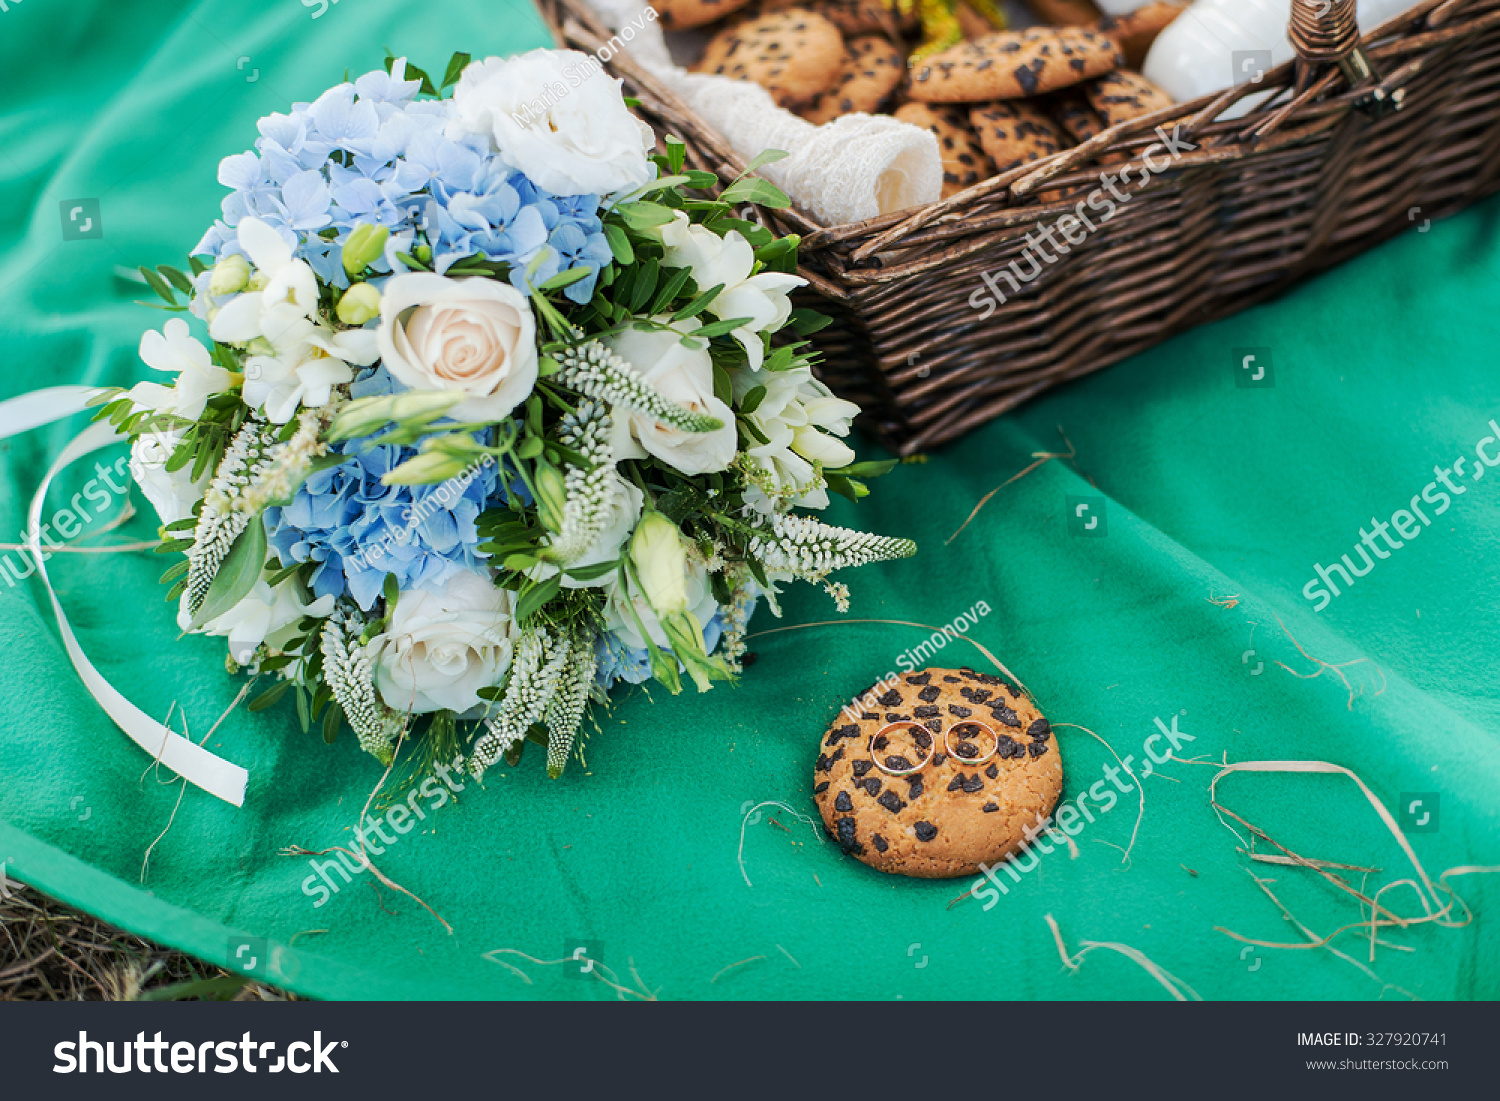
498	409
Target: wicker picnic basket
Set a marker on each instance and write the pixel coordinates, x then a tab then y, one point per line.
1365	137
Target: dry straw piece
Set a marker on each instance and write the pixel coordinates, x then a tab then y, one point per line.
1351	142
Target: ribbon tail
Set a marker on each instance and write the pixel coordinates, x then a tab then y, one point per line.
192	762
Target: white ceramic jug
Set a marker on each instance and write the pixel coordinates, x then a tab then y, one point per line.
1217	43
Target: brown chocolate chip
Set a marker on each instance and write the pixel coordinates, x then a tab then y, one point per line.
925	831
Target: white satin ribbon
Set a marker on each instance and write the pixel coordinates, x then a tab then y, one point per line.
190	761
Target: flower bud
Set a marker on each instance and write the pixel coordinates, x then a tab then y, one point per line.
551	496
818	447
364	246
660	561
360	303
230	275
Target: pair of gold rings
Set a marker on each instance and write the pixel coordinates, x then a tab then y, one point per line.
966	751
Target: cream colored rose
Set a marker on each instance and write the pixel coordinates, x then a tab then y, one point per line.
473	335
442	648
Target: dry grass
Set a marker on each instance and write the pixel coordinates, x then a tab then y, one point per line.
49	952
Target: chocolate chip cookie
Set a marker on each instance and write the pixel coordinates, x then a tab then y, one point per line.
942	818
870	72
964	160
793	54
1014	65
1014	132
1122	96
681	15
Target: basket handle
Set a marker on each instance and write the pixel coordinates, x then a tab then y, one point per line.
1327	32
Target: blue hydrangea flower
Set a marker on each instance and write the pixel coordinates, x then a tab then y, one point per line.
619	662
367	152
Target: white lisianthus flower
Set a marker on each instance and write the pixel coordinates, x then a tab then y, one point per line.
172	494
625	615
294	359
474	336
198	378
442	648
265	615
685	377
801	421
624	510
556	116
660	560
730	260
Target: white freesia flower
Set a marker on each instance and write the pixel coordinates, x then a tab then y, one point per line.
800	419
265	615
625	616
556	116
474	335
685	377
172	494
174	350
729	260
442	648
624	510
294	360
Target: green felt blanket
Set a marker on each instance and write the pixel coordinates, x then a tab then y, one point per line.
1185	603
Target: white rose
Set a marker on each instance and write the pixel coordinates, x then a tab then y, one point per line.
624	616
796	416
624	510
175	351
442	648
729	260
174	494
265	615
685	377
556	116
472	335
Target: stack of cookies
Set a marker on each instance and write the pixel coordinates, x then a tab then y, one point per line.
995	100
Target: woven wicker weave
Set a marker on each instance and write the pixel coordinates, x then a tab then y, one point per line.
1365	140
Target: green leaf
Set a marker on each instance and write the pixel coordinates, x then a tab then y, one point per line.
871	468
641	215
722	327
619	243
174	572
187	523
669	291
758	235
589	573
177	278
644	286
177	590
456	65
159	285
391	590
304	720
331	722
270	696
805	322
676	153
699	304
752	400
566	278
699	180
197	266
535	597
765	157
757	191
237	573
723	387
